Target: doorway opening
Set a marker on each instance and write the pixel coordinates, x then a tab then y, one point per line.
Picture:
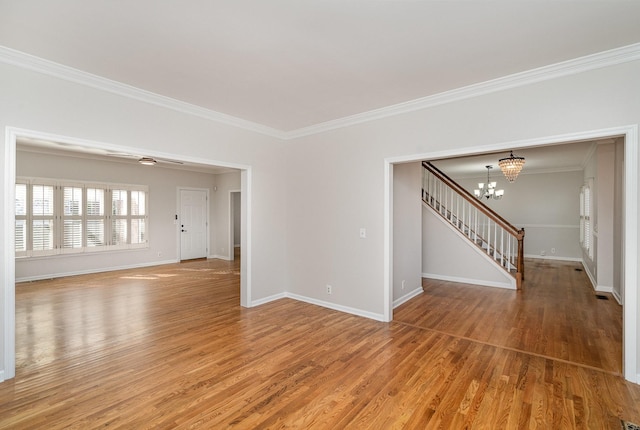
235	230
628	272
82	146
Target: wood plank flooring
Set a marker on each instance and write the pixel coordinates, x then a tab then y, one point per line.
558	316
170	347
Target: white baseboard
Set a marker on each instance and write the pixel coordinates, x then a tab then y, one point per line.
268	299
553	257
89	271
617	297
600	288
482	283
219	257
1	375
410	295
335	307
594	284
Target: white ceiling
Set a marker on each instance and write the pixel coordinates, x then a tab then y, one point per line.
289	64
543	159
79	151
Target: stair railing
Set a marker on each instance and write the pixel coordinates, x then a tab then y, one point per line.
476	221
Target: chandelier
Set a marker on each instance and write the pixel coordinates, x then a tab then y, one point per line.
488	190
511	166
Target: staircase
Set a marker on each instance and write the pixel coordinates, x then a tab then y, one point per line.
482	226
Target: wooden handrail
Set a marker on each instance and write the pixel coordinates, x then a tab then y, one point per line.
489	213
473	200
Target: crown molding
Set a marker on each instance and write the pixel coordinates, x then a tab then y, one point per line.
582	64
498	174
570	67
40	65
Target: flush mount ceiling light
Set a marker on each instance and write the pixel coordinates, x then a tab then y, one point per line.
147	161
511	166
488	190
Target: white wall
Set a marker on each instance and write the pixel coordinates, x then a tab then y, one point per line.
34	101
311	196
162	183
338	177
618	222
603	227
604	168
407	232
225	183
448	255
589	177
546	205
237	207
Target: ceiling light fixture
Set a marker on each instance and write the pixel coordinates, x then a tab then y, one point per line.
488	190
511	166
147	161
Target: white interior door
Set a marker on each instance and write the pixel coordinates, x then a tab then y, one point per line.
193	224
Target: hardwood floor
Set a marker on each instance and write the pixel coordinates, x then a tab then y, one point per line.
558	316
170	347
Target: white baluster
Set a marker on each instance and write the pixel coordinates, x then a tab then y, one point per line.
495	243
489	236
502	263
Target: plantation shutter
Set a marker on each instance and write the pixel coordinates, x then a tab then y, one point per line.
21	231
42	226
95	217
119	207
72	228
138	217
587	221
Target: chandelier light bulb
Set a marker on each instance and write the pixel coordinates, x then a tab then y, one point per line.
488	190
511	166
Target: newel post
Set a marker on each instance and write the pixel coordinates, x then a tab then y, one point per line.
521	253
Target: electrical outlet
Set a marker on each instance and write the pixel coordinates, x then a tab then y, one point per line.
402	287
159	254
543	253
553	250
363	233
329	289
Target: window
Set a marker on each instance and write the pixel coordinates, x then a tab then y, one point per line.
72	222
119	211
95	218
65	217
42	218
138	217
21	218
586	233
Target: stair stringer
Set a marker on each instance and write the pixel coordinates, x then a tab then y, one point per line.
449	255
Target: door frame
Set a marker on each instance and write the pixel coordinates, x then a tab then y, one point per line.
7	252
232	195
631	185
179	189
